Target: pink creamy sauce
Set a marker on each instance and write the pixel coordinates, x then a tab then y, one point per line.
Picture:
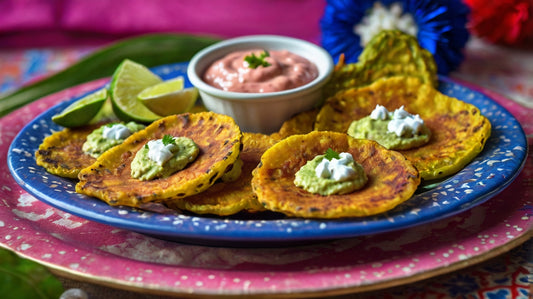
287	71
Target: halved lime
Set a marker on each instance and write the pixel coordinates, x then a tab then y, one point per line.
169	97
82	111
129	79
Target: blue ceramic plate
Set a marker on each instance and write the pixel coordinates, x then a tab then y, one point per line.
488	174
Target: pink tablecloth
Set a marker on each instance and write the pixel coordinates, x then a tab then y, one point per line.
30	23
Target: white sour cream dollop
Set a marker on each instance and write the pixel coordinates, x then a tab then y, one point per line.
158	152
380	112
402	123
116	131
336	169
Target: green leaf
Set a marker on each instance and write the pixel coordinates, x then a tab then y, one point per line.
149	50
254	61
331	154
168	139
22	278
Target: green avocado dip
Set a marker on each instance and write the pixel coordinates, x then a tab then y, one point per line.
108	136
398	130
330	174
162	157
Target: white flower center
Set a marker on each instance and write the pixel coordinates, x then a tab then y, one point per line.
380	18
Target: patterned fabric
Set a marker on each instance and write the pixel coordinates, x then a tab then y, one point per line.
506	276
18	68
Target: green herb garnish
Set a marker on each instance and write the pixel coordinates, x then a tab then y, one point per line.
254	61
331	154
168	139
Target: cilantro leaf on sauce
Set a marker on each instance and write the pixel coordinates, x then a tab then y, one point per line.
254	61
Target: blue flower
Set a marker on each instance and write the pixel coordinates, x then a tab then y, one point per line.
439	25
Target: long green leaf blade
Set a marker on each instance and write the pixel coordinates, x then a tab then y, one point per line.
21	278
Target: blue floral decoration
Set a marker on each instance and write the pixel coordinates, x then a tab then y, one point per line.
440	28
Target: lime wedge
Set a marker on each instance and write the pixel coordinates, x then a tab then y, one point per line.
162	88
129	79
82	111
105	114
169	97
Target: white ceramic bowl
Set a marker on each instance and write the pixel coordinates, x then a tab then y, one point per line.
261	112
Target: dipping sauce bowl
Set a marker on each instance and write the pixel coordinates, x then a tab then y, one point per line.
261	112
